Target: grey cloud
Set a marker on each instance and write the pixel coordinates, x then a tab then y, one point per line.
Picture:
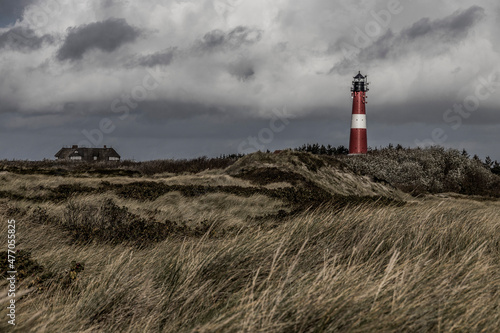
162	58
244	35
23	39
449	29
106	36
243	70
387	45
212	41
427	37
217	40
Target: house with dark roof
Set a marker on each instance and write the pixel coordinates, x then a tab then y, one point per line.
76	153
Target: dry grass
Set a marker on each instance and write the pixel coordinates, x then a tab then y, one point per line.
328	173
241	259
427	266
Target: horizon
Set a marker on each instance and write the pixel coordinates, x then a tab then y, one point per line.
239	155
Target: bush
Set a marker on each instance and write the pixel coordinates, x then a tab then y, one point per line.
110	223
430	170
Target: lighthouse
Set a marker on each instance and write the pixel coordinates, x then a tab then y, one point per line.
358	143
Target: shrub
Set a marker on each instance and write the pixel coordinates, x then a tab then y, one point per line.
110	223
430	170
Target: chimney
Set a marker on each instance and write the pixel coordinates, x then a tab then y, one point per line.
74	146
104	146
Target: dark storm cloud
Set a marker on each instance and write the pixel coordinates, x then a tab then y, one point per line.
106	36
10	10
217	40
449	29
162	58
23	39
427	37
212	41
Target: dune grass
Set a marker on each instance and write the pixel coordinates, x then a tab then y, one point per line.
286	242
432	265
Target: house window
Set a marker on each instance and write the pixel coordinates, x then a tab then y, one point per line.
111	158
75	157
95	158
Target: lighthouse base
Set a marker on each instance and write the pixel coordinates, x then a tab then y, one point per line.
358	143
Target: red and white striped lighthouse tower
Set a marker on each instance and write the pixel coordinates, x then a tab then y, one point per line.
358	143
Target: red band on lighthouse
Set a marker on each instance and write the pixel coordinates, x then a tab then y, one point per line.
358	143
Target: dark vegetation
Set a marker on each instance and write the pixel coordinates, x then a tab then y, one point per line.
122	168
24	264
431	170
106	222
318	149
27	269
36	276
421	170
264	176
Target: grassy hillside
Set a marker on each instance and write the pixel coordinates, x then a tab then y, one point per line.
288	242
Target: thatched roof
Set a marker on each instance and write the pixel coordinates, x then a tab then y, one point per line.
87	153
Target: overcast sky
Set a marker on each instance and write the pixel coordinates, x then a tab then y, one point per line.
180	79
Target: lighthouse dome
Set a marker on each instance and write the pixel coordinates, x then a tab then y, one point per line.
359	76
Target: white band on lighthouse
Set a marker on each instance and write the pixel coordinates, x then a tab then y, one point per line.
358	121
